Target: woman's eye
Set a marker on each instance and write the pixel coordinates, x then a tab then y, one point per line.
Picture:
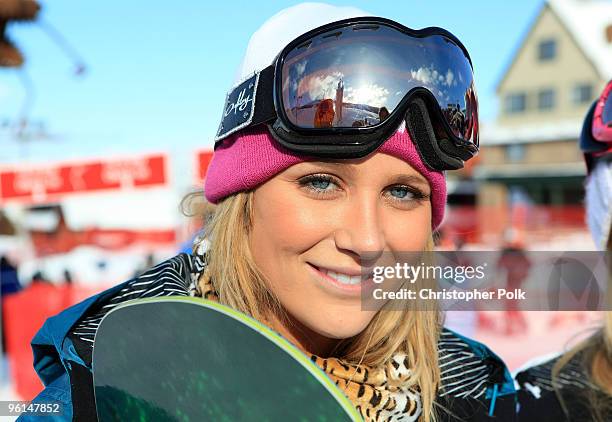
404	193
319	184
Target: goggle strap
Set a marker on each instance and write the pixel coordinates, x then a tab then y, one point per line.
264	101
249	103
421	131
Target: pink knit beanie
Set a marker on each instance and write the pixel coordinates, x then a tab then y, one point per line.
250	157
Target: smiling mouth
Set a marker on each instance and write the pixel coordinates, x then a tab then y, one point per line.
345	279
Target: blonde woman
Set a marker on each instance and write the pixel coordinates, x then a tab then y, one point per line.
577	385
301	208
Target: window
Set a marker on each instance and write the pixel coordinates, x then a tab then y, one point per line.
515	152
546	99
547	50
582	93
515	103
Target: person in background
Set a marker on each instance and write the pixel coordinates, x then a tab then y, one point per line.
577	385
324	114
515	264
9	281
9	284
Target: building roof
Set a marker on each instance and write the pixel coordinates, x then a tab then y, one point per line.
493	133
587	20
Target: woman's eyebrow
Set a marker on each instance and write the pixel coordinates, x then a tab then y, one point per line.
409	179
352	169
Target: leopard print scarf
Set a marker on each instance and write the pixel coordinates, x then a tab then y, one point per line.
368	388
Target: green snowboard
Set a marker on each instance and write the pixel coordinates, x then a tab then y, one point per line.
190	359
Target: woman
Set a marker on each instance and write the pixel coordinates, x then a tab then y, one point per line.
303	205
577	385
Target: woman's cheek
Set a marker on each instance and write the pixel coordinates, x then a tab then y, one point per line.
404	230
310	221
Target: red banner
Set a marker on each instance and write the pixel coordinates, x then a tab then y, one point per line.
46	183
64	240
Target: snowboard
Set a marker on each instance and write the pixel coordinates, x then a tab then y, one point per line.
190	359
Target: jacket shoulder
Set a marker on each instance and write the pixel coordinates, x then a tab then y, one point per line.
176	276
67	338
473	373
539	391
537	378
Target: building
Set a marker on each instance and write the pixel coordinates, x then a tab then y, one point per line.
530	155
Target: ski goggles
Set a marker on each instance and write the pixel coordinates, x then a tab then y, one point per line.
339	91
596	135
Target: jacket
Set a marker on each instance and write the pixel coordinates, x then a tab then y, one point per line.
539	392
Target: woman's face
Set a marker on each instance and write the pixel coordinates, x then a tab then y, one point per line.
312	221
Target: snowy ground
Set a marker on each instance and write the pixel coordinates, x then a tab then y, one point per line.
547	332
6	392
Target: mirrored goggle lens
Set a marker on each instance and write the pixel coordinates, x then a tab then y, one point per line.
357	75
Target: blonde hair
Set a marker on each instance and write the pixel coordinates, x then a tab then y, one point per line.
596	359
241	285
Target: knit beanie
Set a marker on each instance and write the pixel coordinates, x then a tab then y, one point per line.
251	156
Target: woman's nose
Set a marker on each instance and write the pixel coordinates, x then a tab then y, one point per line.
360	227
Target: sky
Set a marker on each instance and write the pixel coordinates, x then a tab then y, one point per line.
157	72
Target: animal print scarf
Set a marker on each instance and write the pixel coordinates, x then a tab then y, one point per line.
367	388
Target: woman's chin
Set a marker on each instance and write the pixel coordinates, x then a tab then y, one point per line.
339	331
342	334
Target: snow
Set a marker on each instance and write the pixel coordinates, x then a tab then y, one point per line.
544	336
92	266
495	134
155	208
7	393
44	220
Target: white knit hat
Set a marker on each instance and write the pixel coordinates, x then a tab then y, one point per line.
284	27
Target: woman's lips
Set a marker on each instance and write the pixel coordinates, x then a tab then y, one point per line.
342	281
